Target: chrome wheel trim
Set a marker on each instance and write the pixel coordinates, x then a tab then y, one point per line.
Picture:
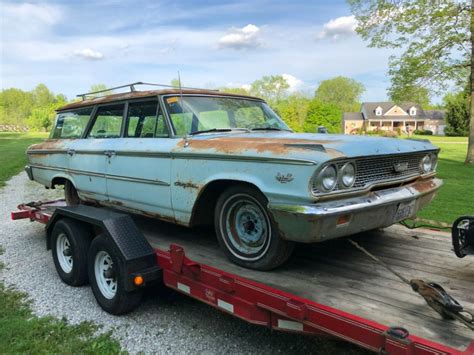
107	285
246	242
64	253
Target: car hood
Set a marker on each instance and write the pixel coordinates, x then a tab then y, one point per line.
299	146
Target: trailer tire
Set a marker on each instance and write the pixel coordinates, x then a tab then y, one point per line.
106	276
70	242
254	244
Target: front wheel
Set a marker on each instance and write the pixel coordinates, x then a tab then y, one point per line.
106	276
245	230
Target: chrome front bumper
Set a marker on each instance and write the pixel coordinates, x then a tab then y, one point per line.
338	218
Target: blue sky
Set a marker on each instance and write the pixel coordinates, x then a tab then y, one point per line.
70	45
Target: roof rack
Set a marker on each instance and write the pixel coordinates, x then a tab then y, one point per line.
132	88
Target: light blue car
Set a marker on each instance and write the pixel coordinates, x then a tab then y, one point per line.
197	157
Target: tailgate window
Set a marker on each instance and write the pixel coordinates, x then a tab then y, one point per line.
71	124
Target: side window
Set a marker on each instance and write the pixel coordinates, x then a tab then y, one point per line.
145	120
108	122
71	124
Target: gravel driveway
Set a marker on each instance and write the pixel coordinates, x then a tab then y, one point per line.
170	323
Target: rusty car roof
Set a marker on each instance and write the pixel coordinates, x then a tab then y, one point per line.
148	93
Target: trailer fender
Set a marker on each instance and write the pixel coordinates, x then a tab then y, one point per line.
136	254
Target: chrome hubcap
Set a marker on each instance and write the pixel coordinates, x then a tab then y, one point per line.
105	275
64	253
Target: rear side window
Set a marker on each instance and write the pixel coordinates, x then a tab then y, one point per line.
145	120
71	124
108	122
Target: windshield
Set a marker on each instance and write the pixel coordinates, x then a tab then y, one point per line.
192	114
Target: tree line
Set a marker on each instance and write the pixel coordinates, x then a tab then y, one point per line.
302	112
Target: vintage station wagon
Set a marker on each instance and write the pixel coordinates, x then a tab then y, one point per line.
196	157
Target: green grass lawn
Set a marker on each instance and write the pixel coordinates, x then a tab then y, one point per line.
21	332
456	196
12	152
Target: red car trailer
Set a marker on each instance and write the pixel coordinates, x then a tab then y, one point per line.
327	289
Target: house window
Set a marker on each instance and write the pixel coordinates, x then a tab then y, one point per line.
413	111
378	111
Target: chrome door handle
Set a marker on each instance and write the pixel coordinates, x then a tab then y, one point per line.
109	153
71	152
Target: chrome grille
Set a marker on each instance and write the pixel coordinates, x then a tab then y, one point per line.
375	170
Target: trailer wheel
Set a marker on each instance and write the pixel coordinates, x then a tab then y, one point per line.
245	231
106	275
70	242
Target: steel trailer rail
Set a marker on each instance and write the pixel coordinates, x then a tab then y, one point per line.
266	305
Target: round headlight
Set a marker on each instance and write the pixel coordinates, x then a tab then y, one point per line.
426	163
348	175
327	178
434	161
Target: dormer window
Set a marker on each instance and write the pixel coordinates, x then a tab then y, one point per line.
413	111
378	111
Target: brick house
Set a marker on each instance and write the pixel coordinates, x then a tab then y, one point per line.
389	116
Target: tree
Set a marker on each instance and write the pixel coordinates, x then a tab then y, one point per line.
417	94
293	110
323	114
99	87
340	91
271	88
457	114
238	91
15	106
175	83
436	39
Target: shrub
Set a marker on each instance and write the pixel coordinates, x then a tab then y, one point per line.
423	132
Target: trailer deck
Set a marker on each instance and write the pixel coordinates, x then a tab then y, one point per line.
328	288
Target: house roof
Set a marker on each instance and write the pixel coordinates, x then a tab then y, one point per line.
352	116
435	114
368	109
144	94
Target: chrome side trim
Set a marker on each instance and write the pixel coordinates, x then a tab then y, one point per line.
107	176
241	158
171	155
46	151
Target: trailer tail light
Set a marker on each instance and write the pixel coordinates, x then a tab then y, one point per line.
138	280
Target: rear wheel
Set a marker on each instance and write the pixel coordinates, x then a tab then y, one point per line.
70	194
245	230
106	275
70	242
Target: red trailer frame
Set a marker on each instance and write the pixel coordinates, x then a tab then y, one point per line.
260	304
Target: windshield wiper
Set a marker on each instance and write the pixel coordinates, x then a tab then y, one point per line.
270	129
217	130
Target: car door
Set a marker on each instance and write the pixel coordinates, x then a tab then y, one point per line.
138	169
89	156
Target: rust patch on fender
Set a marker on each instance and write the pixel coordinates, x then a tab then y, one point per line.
186	185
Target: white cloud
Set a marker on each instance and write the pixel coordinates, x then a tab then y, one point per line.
89	54
338	28
29	20
294	83
241	38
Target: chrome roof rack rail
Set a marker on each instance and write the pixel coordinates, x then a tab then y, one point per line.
132	88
